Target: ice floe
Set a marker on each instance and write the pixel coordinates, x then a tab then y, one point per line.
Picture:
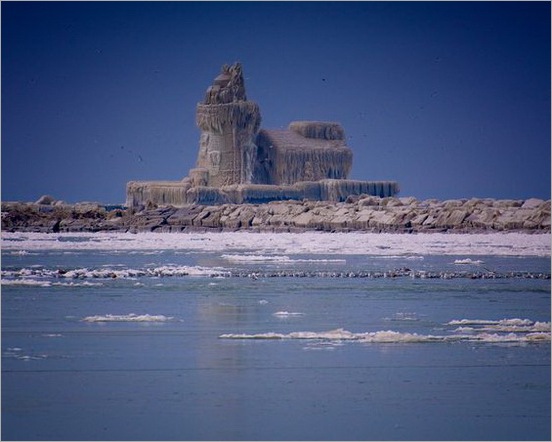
468	261
506	331
131	317
286	314
277	259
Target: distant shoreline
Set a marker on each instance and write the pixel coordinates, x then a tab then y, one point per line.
363	213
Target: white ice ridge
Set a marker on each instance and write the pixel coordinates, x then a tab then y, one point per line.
25	282
132	317
280	259
506	330
514	321
468	261
36	283
106	272
286	314
514	325
390	336
342	243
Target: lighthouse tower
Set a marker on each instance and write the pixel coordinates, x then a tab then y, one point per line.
229	124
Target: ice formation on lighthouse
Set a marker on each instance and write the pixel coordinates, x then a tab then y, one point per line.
238	162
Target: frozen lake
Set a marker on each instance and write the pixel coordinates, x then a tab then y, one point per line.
236	336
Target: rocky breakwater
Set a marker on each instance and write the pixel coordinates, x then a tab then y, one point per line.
362	213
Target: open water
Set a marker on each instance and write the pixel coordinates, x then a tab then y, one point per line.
235	336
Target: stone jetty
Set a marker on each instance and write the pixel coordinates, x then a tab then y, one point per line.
358	213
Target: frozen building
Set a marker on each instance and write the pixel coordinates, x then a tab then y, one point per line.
238	162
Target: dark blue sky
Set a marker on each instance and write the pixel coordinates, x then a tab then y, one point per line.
451	99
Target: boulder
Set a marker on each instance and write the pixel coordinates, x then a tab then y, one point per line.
89	209
369	201
451	204
408	201
451	219
387	220
532	203
184	216
418	220
339	222
246	217
231	219
361	221
45	200
507	203
212	220
197	221
392	202
511	219
305	220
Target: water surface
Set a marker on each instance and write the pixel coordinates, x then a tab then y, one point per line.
200	337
